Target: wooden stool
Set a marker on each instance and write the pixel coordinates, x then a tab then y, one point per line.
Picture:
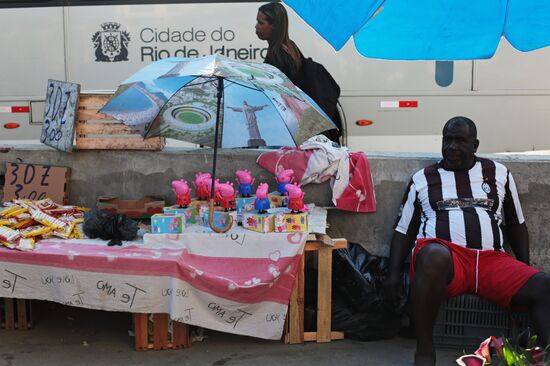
159	337
17	314
294	326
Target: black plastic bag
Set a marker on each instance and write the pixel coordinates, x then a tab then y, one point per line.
108	226
358	306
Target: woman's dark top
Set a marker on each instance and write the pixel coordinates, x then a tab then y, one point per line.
285	63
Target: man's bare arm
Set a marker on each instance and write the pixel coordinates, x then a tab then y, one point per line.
399	250
519	241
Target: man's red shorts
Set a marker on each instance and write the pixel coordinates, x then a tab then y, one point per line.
499	275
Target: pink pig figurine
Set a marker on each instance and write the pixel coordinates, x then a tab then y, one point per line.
225	195
261	204
201	185
182	191
295	198
283	178
245	181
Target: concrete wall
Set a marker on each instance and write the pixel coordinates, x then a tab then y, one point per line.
134	174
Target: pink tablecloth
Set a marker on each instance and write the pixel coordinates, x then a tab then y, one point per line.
239	282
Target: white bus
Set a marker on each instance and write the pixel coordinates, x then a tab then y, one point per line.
388	105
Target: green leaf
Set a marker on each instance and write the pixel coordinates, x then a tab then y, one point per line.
532	342
511	357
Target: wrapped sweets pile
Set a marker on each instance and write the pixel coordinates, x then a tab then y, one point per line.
24	222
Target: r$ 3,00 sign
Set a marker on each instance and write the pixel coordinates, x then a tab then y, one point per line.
59	114
36	182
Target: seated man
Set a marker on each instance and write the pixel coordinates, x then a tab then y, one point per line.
454	211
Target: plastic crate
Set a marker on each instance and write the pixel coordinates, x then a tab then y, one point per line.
15	314
465	321
157	331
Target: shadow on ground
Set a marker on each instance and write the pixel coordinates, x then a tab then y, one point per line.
64	335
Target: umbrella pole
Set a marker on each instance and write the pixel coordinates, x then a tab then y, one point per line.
219	95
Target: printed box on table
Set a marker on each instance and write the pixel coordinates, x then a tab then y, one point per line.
188	212
167	224
262	223
287	222
196	206
276	199
245	204
221	218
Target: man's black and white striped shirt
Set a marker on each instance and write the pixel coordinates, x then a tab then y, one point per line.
466	207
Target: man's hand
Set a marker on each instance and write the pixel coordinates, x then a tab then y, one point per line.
390	290
399	250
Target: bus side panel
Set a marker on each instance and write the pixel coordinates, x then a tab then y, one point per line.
504	122
32	53
403	99
150	32
32	50
141	34
513	71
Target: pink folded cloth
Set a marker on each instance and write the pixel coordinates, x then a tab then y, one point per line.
359	194
353	188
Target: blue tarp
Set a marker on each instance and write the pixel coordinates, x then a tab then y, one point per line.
428	29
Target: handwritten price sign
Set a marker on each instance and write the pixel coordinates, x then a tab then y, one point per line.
35	182
59	114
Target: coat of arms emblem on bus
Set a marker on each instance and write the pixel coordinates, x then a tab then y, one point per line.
111	43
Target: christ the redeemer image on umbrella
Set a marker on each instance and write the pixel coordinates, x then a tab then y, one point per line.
249	111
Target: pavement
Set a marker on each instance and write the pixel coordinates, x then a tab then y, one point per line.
64	335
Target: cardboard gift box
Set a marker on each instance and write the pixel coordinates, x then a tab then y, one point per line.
277	200
245	204
221	218
167	223
188	212
287	222
262	223
197	206
202	213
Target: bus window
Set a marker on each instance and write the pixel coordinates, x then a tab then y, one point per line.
444	73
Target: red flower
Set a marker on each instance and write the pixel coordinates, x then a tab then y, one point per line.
471	360
538	355
484	348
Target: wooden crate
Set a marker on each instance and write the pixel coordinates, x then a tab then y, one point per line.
16	314
96	131
159	337
294	326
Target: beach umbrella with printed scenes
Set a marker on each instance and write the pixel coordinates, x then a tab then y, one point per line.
218	102
428	29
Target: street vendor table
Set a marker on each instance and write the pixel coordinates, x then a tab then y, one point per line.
239	282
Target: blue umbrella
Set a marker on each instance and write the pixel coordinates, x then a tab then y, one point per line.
428	29
217	101
179	98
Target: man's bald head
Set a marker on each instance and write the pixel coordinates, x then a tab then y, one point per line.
459	144
461	121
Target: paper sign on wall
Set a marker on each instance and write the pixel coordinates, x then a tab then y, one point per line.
59	114
35	182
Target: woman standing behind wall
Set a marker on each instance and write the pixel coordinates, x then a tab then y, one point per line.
282	52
